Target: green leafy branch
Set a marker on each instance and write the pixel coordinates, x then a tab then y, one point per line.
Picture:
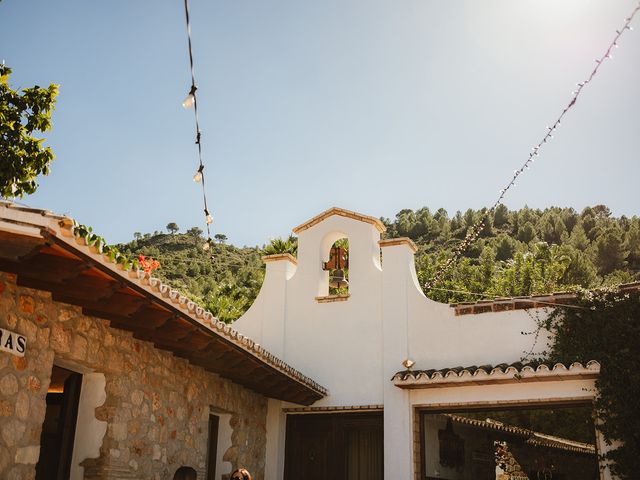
127	262
24	156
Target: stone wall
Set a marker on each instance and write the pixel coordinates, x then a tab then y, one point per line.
156	407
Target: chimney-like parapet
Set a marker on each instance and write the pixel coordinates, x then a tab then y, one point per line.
394	242
398	262
279	264
264	321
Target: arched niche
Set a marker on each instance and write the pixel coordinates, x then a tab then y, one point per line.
335	258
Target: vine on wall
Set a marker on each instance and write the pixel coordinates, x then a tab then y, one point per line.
607	329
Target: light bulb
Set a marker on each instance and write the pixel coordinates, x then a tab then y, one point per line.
408	363
197	177
189	101
209	219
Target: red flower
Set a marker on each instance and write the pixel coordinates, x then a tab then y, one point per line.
149	265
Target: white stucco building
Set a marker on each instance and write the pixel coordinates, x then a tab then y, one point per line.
355	345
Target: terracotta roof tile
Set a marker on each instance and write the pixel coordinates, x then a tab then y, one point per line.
501	304
534	438
343	213
64	229
486	374
389	242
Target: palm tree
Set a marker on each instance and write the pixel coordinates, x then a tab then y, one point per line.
226	302
279	245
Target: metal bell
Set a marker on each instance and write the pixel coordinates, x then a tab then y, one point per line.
337	280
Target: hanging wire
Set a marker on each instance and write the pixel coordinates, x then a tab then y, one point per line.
475	230
192	101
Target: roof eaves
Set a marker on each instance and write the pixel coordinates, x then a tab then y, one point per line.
60	229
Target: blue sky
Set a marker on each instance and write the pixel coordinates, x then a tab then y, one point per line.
368	105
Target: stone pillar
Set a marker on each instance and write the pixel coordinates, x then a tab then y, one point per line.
276	426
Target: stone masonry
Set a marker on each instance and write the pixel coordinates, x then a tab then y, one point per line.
156	407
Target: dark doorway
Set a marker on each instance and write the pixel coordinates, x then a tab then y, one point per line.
59	427
212	450
544	442
347	446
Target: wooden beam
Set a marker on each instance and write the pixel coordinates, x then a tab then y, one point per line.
77	292
9	266
13	245
147	318
119	303
35	250
52	268
177	329
200	340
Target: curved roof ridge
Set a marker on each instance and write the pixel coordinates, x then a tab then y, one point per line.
342	213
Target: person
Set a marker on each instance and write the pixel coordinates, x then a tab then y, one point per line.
241	474
185	473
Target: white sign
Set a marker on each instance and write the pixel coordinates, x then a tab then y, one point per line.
12	342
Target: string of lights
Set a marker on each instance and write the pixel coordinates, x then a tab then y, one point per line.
191	101
535	333
477	228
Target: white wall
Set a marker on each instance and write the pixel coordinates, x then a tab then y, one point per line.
336	344
354	347
276	427
225	431
89	430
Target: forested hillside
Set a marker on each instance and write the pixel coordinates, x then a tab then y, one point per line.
524	252
225	279
519	252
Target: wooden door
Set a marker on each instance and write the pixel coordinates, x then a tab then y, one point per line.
346	446
59	427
